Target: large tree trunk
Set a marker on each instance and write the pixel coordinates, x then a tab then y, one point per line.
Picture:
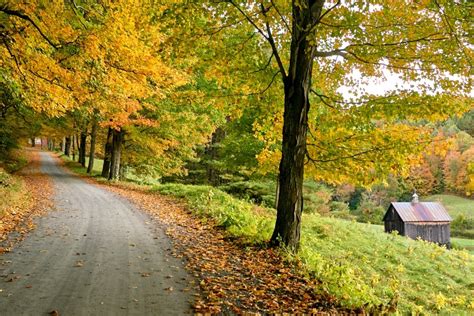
67	146
297	85
107	155
82	148
116	154
92	148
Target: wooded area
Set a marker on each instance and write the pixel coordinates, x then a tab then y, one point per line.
150	86
269	138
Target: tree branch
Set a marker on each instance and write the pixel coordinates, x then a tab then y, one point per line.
281	16
54	81
14	58
272	44
23	16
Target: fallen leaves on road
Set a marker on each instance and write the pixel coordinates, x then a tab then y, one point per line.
35	190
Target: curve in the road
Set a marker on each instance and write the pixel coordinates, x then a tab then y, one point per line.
95	254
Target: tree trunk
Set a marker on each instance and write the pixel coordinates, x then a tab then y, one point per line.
67	146
82	148
107	155
63	144
90	166
212	153
33	141
297	85
73	147
76	138
116	154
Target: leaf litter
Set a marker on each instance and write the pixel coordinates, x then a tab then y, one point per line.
232	277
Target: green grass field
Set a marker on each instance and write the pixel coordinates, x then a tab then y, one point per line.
455	205
462	243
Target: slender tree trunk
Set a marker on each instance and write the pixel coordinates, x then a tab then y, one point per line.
90	166
33	141
107	155
76	138
116	154
73	147
63	144
212	153
297	85
82	148
67	146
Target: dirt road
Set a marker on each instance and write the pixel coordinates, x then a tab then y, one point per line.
94	254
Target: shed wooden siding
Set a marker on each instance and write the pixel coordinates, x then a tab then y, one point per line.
438	232
392	221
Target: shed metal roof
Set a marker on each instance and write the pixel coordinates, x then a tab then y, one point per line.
421	212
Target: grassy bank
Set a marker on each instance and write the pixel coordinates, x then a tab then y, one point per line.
357	263
463	243
12	194
77	168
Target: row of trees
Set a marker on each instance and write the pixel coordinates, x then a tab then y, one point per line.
160	80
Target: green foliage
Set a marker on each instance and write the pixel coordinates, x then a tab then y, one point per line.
463	244
369	211
463	226
316	198
237	217
466	123
17	121
258	192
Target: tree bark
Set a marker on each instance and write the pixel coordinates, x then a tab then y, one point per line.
67	146
297	86
212	153
63	144
82	148
107	155
73	147
117	140
32	139
90	166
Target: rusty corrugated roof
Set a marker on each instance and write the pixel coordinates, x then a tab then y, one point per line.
421	212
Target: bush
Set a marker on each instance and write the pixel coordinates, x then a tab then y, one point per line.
369	212
262	193
316	198
463	226
236	216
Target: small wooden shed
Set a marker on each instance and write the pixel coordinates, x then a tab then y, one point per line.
426	220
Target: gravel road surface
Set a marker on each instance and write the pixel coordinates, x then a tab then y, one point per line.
94	254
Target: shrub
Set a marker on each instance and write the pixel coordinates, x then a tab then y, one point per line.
463	226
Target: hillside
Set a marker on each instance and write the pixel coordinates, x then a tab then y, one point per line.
357	263
455	205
